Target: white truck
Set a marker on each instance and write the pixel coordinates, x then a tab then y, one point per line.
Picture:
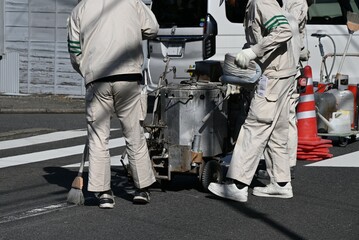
195	30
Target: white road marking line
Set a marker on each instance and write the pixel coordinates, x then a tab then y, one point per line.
51	154
347	160
43	138
34	212
115	161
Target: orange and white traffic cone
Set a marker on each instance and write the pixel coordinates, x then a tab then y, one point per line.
354	88
310	146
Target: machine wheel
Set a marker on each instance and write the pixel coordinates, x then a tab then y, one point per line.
343	141
211	173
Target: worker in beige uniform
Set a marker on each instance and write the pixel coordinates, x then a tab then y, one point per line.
297	10
105	46
268	37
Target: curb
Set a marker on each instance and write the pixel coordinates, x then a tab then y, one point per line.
40	110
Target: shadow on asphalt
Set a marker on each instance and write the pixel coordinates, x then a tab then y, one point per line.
123	187
122	184
63	177
250	212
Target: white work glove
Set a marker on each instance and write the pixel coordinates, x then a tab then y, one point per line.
244	57
304	54
232	89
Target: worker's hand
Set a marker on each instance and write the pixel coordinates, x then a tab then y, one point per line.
244	57
304	54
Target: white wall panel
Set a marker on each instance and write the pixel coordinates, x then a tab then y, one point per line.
43	5
61	37
36	29
42	34
61	20
41	19
14	34
19	19
9	73
16	5
2	28
65	6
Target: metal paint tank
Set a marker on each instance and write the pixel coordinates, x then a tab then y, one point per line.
184	110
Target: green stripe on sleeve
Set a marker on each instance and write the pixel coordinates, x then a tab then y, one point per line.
75	42
71	46
275	22
74	47
74	51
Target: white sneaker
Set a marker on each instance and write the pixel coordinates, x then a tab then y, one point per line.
229	191
274	190
106	201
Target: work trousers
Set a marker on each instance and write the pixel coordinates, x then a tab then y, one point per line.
265	130
293	130
124	99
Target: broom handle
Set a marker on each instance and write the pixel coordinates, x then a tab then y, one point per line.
345	53
83	160
122	158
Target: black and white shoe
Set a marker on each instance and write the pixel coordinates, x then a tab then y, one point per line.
142	196
106	200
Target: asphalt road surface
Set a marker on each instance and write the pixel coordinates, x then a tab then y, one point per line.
39	158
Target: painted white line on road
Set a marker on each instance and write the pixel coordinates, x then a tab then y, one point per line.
51	154
43	138
347	160
34	212
115	161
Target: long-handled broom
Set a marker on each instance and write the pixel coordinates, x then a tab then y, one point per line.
353	26
75	195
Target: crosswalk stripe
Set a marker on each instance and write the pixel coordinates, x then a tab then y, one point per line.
115	161
43	138
347	160
51	154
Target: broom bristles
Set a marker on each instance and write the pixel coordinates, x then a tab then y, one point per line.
75	195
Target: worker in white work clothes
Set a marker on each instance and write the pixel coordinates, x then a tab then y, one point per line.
105	46
299	10
268	36
296	13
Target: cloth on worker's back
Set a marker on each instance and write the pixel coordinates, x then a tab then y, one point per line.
105	37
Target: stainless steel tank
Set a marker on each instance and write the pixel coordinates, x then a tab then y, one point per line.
326	105
184	111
